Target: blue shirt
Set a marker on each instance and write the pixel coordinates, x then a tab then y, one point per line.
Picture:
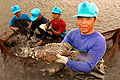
23	16
94	44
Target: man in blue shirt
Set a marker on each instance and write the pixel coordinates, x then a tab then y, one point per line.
19	18
85	38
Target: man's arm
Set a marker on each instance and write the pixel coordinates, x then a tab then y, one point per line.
32	28
30	24
96	53
43	36
13	28
28	18
69	37
57	33
12	22
30	21
11	25
78	66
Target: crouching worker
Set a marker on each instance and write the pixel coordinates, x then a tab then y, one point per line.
86	38
58	25
37	20
19	21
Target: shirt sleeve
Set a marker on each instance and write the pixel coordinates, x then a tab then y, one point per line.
12	22
96	53
78	66
28	18
67	38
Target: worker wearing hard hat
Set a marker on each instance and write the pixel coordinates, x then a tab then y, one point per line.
20	20
58	25
85	38
38	22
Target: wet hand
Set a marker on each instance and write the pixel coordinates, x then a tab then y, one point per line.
49	32
49	28
13	28
61	59
39	43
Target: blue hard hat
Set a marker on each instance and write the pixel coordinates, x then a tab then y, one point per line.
15	9
56	10
35	14
87	9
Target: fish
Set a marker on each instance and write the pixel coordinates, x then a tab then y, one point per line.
49	51
21	47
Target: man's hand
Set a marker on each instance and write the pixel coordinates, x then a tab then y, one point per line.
49	28
39	43
13	28
49	32
30	24
61	59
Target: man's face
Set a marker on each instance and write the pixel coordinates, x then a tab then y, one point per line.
55	16
18	14
86	24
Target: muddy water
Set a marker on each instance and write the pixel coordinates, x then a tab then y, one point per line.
109	17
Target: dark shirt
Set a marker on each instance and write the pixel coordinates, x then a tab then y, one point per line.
36	24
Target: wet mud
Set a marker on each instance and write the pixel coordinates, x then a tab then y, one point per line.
14	68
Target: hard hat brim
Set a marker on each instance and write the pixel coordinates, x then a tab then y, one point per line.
16	11
56	12
33	18
83	15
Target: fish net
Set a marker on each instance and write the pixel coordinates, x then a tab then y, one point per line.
19	45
